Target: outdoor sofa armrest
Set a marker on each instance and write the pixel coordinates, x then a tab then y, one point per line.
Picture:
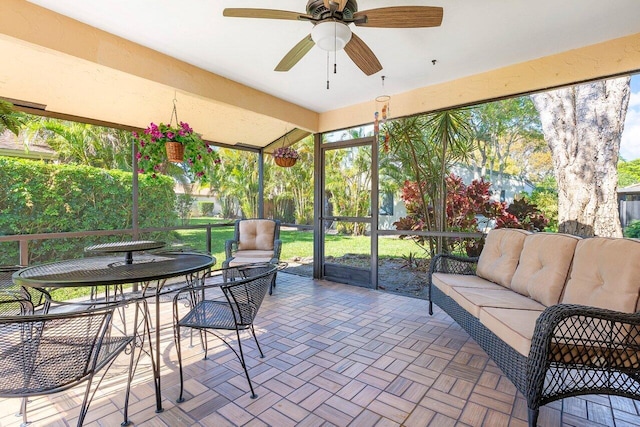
230	246
590	350
447	263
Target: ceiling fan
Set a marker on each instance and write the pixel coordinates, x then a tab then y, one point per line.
331	30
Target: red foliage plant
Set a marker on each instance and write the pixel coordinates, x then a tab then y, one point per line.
464	204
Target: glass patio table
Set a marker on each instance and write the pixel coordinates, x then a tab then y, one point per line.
151	271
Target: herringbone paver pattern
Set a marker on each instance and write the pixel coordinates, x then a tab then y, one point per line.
335	355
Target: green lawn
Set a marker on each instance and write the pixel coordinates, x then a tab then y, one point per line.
297	243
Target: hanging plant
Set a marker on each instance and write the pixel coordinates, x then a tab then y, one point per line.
153	153
285	156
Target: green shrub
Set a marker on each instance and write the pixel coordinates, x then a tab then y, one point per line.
42	197
206	208
633	229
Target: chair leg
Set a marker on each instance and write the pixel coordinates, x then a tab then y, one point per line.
244	365
179	351
272	285
253	332
533	417
23	412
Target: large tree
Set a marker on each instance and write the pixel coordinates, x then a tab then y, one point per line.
582	125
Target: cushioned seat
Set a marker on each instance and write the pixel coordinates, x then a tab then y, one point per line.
513	326
255	241
473	300
445	282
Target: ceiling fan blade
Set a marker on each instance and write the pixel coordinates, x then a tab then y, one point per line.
400	17
295	54
262	13
342	4
362	56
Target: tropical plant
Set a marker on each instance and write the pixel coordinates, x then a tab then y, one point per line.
423	148
237	183
82	143
524	215
9	118
200	158
465	206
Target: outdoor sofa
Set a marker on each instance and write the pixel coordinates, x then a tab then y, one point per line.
558	314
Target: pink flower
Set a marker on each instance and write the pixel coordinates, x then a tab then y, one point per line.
170	135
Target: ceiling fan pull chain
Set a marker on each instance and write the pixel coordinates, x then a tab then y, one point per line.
327	70
335	46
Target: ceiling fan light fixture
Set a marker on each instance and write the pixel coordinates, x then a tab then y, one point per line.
331	35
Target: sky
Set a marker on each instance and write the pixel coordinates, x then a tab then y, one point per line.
630	144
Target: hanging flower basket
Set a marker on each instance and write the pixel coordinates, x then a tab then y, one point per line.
175	151
285	162
285	156
160	145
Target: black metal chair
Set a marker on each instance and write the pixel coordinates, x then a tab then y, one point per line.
44	354
26	300
236	312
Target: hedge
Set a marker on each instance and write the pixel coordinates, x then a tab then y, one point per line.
40	197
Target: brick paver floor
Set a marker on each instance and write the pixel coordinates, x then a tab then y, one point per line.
336	355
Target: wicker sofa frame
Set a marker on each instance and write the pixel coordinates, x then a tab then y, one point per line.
575	350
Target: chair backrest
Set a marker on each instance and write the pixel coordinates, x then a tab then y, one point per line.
29	299
42	354
257	234
246	296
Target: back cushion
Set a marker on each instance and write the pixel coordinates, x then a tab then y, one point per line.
256	234
544	266
500	255
605	274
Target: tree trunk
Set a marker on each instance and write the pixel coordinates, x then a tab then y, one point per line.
582	125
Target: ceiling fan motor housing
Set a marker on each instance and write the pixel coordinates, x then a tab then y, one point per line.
317	9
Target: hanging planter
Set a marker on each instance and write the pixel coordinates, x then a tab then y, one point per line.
160	145
285	156
175	151
285	162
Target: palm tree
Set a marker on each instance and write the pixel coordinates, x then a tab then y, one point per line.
423	148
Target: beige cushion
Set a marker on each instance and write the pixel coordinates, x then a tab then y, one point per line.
500	255
256	234
513	326
544	266
445	282
244	261
606	274
254	254
472	300
250	257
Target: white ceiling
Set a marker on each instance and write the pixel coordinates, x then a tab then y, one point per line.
475	36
